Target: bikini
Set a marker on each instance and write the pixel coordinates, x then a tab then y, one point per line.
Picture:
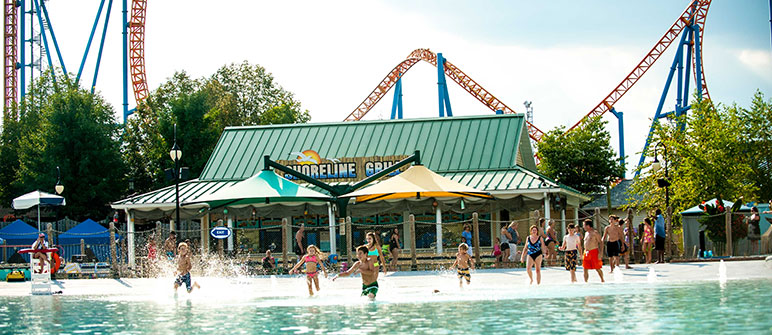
311	259
374	253
534	249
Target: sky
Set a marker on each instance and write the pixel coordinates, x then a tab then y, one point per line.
564	56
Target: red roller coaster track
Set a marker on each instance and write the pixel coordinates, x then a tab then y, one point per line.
453	72
137	49
697	10
10	40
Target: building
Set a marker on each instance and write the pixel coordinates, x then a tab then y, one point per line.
491	153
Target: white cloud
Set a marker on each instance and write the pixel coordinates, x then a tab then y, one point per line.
758	62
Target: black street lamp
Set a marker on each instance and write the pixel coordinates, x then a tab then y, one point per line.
655	166
176	154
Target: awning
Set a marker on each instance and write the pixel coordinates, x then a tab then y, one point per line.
264	188
417	182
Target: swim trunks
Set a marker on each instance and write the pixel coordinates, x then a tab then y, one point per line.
372	288
464	273
571	260
170	255
612	248
591	260
659	243
184	279
504	246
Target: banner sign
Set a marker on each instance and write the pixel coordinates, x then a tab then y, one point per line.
344	169
220	232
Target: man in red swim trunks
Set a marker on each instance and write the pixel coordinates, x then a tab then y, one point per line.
591	258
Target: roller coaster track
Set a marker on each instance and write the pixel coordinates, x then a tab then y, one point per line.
10	40
453	72
137	49
698	10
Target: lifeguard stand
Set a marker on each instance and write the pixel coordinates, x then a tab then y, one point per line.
41	282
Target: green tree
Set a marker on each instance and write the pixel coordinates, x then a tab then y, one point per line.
582	158
66	126
756	137
236	95
705	160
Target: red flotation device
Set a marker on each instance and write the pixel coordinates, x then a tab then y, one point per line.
30	250
57	262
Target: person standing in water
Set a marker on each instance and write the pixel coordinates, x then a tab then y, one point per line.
299	239
463	263
394	248
552	238
533	248
367	269
659	236
591	260
612	235
374	253
183	269
170	246
572	245
505	237
311	260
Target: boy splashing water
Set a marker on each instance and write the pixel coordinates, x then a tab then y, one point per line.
463	263
312	274
369	273
183	268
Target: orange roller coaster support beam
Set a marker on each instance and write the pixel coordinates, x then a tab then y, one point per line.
10	40
461	78
137	49
698	10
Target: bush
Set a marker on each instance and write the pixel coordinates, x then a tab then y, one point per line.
713	221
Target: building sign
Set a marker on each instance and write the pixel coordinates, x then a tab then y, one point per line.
220	232
345	169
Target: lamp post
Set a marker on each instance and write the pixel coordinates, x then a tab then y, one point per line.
59	188
655	166
176	154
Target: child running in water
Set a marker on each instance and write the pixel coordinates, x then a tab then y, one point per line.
367	269
183	269
463	263
572	245
311	259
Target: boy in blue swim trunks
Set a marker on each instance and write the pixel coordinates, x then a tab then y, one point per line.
369	273
183	269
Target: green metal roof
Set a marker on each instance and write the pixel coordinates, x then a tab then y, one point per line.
165	197
447	144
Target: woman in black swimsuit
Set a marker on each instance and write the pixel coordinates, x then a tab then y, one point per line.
394	249
533	248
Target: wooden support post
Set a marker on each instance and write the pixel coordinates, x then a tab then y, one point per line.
82	247
158	235
728	249
596	220
205	234
476	237
284	246
630	240
113	250
413	263
50	231
349	242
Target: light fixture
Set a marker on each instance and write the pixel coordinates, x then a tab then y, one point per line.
59	188
655	166
175	153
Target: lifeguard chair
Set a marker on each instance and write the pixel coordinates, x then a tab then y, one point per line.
41	280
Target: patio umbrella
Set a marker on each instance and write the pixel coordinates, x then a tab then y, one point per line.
264	188
418	181
38	198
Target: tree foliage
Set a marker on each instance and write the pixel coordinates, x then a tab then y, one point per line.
582	158
63	125
235	95
708	159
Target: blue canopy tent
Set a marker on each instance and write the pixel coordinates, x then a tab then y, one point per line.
18	233
95	236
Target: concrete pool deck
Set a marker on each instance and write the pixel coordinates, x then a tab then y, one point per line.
488	280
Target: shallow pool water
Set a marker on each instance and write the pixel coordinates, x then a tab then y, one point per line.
702	307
